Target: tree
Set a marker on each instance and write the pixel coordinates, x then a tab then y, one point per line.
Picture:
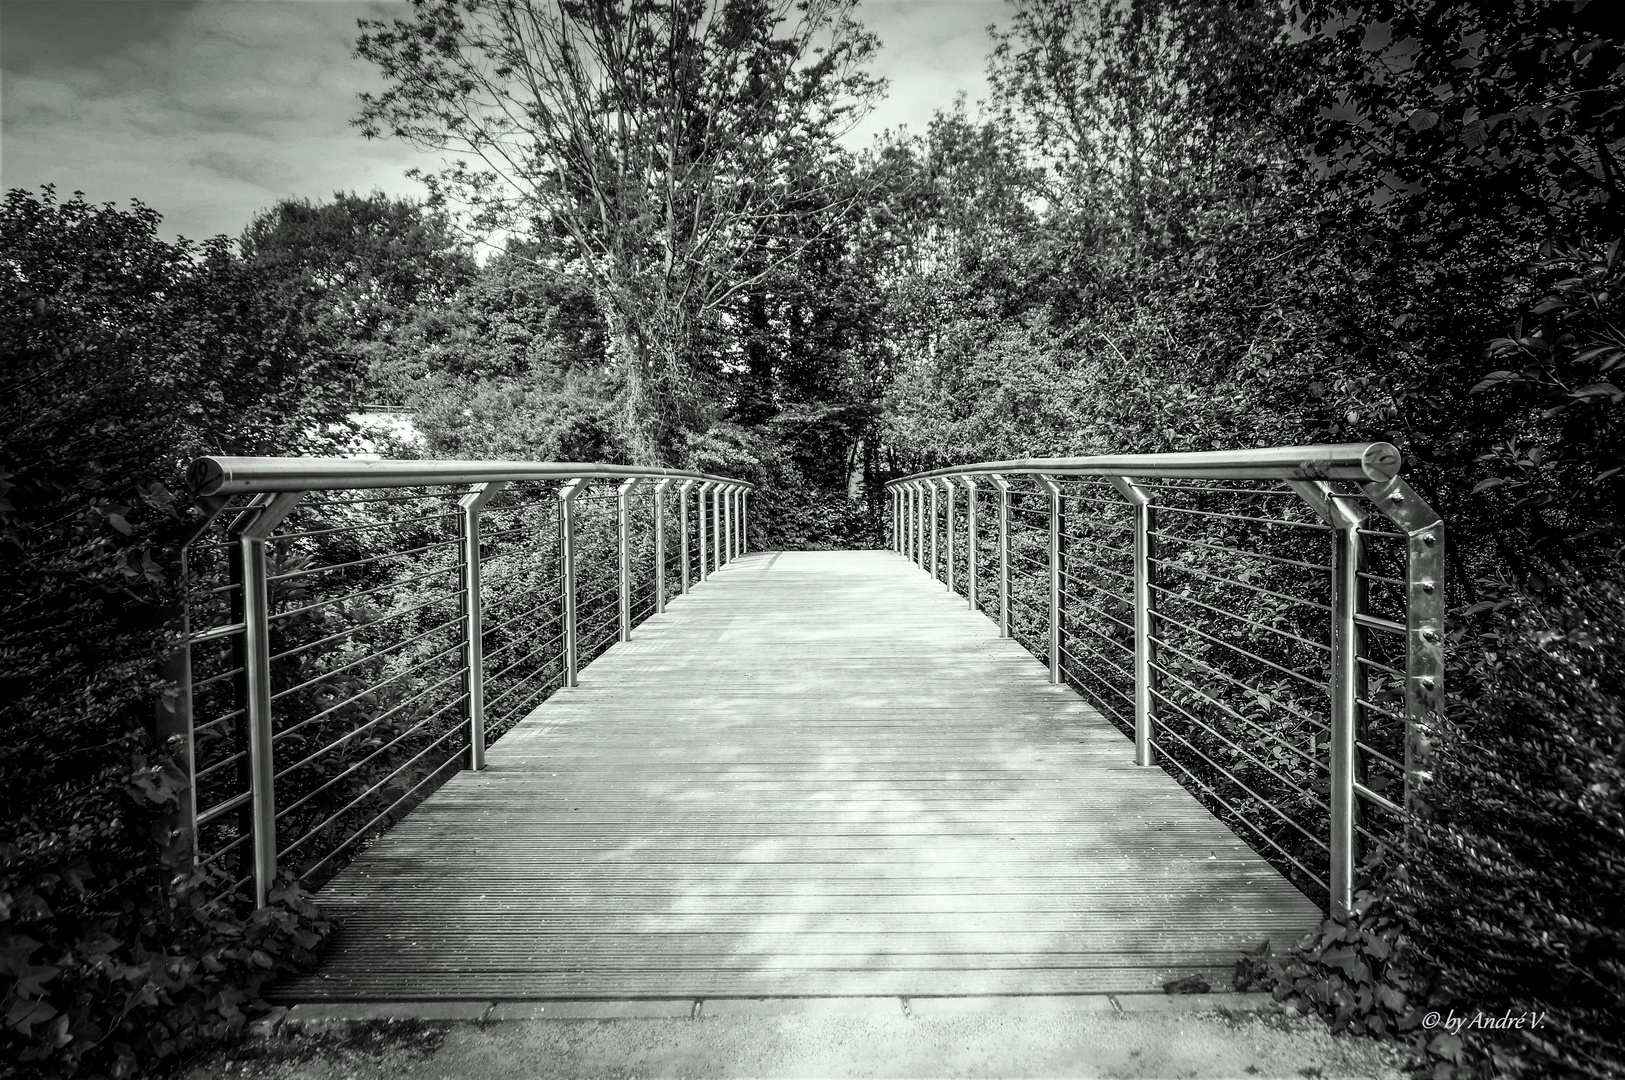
121	356
649	139
354	271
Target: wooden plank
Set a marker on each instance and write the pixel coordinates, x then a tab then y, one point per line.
818	773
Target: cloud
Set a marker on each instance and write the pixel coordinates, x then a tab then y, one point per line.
208	112
211	110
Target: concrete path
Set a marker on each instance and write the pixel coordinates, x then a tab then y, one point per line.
1090	1036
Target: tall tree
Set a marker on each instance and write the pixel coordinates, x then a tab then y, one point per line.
353	271
651	138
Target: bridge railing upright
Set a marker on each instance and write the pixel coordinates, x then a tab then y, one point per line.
1267	624
357	631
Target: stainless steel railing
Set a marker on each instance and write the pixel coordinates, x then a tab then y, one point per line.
1267	623
356	631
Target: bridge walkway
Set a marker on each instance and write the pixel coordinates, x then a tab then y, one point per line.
817	773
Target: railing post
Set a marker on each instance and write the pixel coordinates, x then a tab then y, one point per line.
948	530
473	620
919	525
1145	527
936	563
1054	490
699	510
744	521
717	494
252	528
1004	553
1348	603
914	532
623	563
567	575
730	506
970	541
920	531
682	527
657	499
1424	627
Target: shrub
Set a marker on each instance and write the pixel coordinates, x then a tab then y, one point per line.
1511	897
123	354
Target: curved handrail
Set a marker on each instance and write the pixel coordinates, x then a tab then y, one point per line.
207	476
1338	482
1376	462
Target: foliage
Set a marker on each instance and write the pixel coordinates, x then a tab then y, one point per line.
356	270
650	137
1516	893
123	355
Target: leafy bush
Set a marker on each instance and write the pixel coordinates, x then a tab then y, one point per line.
1511	898
123	355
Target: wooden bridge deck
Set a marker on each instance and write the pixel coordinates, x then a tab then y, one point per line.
816	774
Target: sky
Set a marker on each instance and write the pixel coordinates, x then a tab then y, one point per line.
209	111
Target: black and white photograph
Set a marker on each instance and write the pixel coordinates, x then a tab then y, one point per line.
812	538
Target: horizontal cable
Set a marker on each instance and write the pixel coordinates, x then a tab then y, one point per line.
199	684
1211	669
1243	819
525	659
207	726
1163	616
1374	622
366	626
1314	525
199	775
363	528
1383	579
1377	665
357	834
363	762
1180	567
1065	614
1097	655
357	696
524	707
491	628
226	849
1084	670
520	684
1234	715
1392	714
353	803
1276	810
393	584
1204	489
491	654
1240	553
365	657
369	725
367	560
1379	800
1239	618
322	502
1379	755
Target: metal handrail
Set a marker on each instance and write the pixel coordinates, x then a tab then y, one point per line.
278	487
208	476
1364	462
1335	481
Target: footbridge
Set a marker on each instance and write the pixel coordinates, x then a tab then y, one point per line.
552	731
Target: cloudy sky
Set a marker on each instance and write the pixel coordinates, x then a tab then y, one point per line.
210	110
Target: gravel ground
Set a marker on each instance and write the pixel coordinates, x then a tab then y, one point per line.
882	1037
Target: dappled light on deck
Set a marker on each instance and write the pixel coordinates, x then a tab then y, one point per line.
816	773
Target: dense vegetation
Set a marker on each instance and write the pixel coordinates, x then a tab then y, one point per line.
1176	225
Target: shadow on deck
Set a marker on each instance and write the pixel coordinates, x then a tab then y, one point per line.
818	773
